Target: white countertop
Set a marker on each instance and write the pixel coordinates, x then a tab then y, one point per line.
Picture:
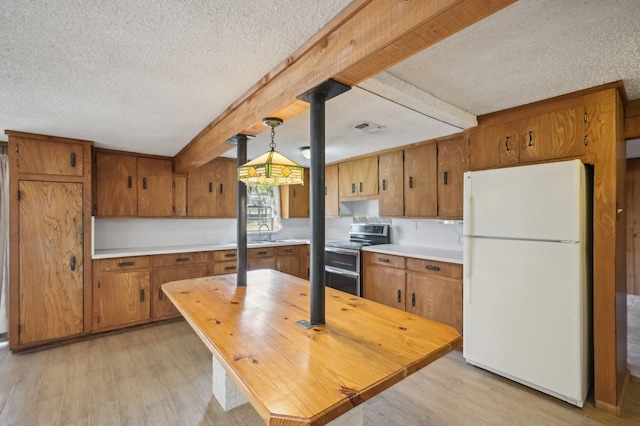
147	251
428	253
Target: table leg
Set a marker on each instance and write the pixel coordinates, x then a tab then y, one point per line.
224	389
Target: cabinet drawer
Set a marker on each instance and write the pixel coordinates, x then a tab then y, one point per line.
288	250
445	269
50	158
384	260
180	259
261	252
221	268
224	255
123	263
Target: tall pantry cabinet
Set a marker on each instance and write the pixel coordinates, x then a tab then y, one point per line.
50	231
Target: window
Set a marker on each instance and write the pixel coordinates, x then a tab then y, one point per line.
263	207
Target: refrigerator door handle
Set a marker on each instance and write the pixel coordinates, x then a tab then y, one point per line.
467	206
466	259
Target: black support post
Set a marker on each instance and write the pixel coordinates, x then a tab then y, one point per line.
317	207
241	258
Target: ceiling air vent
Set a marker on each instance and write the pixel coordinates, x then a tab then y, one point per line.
367	127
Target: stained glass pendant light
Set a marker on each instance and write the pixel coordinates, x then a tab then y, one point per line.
271	168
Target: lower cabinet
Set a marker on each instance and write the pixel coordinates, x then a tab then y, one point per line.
224	262
261	258
174	267
427	288
292	260
121	292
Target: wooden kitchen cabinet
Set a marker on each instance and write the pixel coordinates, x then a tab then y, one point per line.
129	185
174	267
420	181
121	292
384	280
49	223
212	189
224	262
451	164
358	178
261	258
292	260
493	146
391	172
427	288
180	195
331	200
294	199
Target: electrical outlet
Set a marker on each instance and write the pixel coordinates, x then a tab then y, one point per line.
414	225
209	235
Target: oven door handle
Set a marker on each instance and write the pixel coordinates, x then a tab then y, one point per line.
339	271
342	251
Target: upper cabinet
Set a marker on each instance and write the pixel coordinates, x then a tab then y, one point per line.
294	199
34	156
212	189
391	172
420	185
128	185
546	136
331	200
358	178
451	165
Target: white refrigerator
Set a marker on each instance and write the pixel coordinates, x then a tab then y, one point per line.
526	276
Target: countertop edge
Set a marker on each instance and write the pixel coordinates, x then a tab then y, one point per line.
427	253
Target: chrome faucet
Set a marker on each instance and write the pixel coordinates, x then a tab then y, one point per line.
260	229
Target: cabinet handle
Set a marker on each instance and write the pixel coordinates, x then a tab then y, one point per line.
142	295
262	252
586	140
382	259
160	295
432	268
530	138
294	192
384	184
72	263
126	263
444	177
129	182
221	188
506	144
325	190
229	255
411	182
360	186
353	188
210	187
413	299
73	159
399	296
288	251
144	183
182	259
229	268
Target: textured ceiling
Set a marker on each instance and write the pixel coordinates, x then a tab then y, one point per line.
148	75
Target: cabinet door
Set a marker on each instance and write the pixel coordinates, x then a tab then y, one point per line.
367	173
161	306
179	195
450	172
493	146
201	199
116	187
51	264
121	299
289	265
295	199
155	187
261	263
346	180
558	134
391	197
436	298
331	201
384	285
226	183
50	158
222	268
420	185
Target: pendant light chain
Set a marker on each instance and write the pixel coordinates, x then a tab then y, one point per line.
272	145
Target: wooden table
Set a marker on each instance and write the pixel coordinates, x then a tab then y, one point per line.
297	376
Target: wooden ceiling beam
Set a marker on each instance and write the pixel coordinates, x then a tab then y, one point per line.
368	37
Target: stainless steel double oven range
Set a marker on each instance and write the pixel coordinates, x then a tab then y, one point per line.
342	260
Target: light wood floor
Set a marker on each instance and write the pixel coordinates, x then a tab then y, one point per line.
633	335
162	375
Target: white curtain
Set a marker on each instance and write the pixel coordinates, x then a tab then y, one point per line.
4	243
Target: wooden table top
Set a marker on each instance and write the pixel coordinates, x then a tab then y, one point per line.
297	376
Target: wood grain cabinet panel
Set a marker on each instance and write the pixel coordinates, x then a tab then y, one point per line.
391	190
49	158
451	165
385	285
436	298
51	268
358	178
161	306
212	190
420	181
493	146
117	188
180	195
227	184
221	268
292	260
294	199
121	299
155	187
331	201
